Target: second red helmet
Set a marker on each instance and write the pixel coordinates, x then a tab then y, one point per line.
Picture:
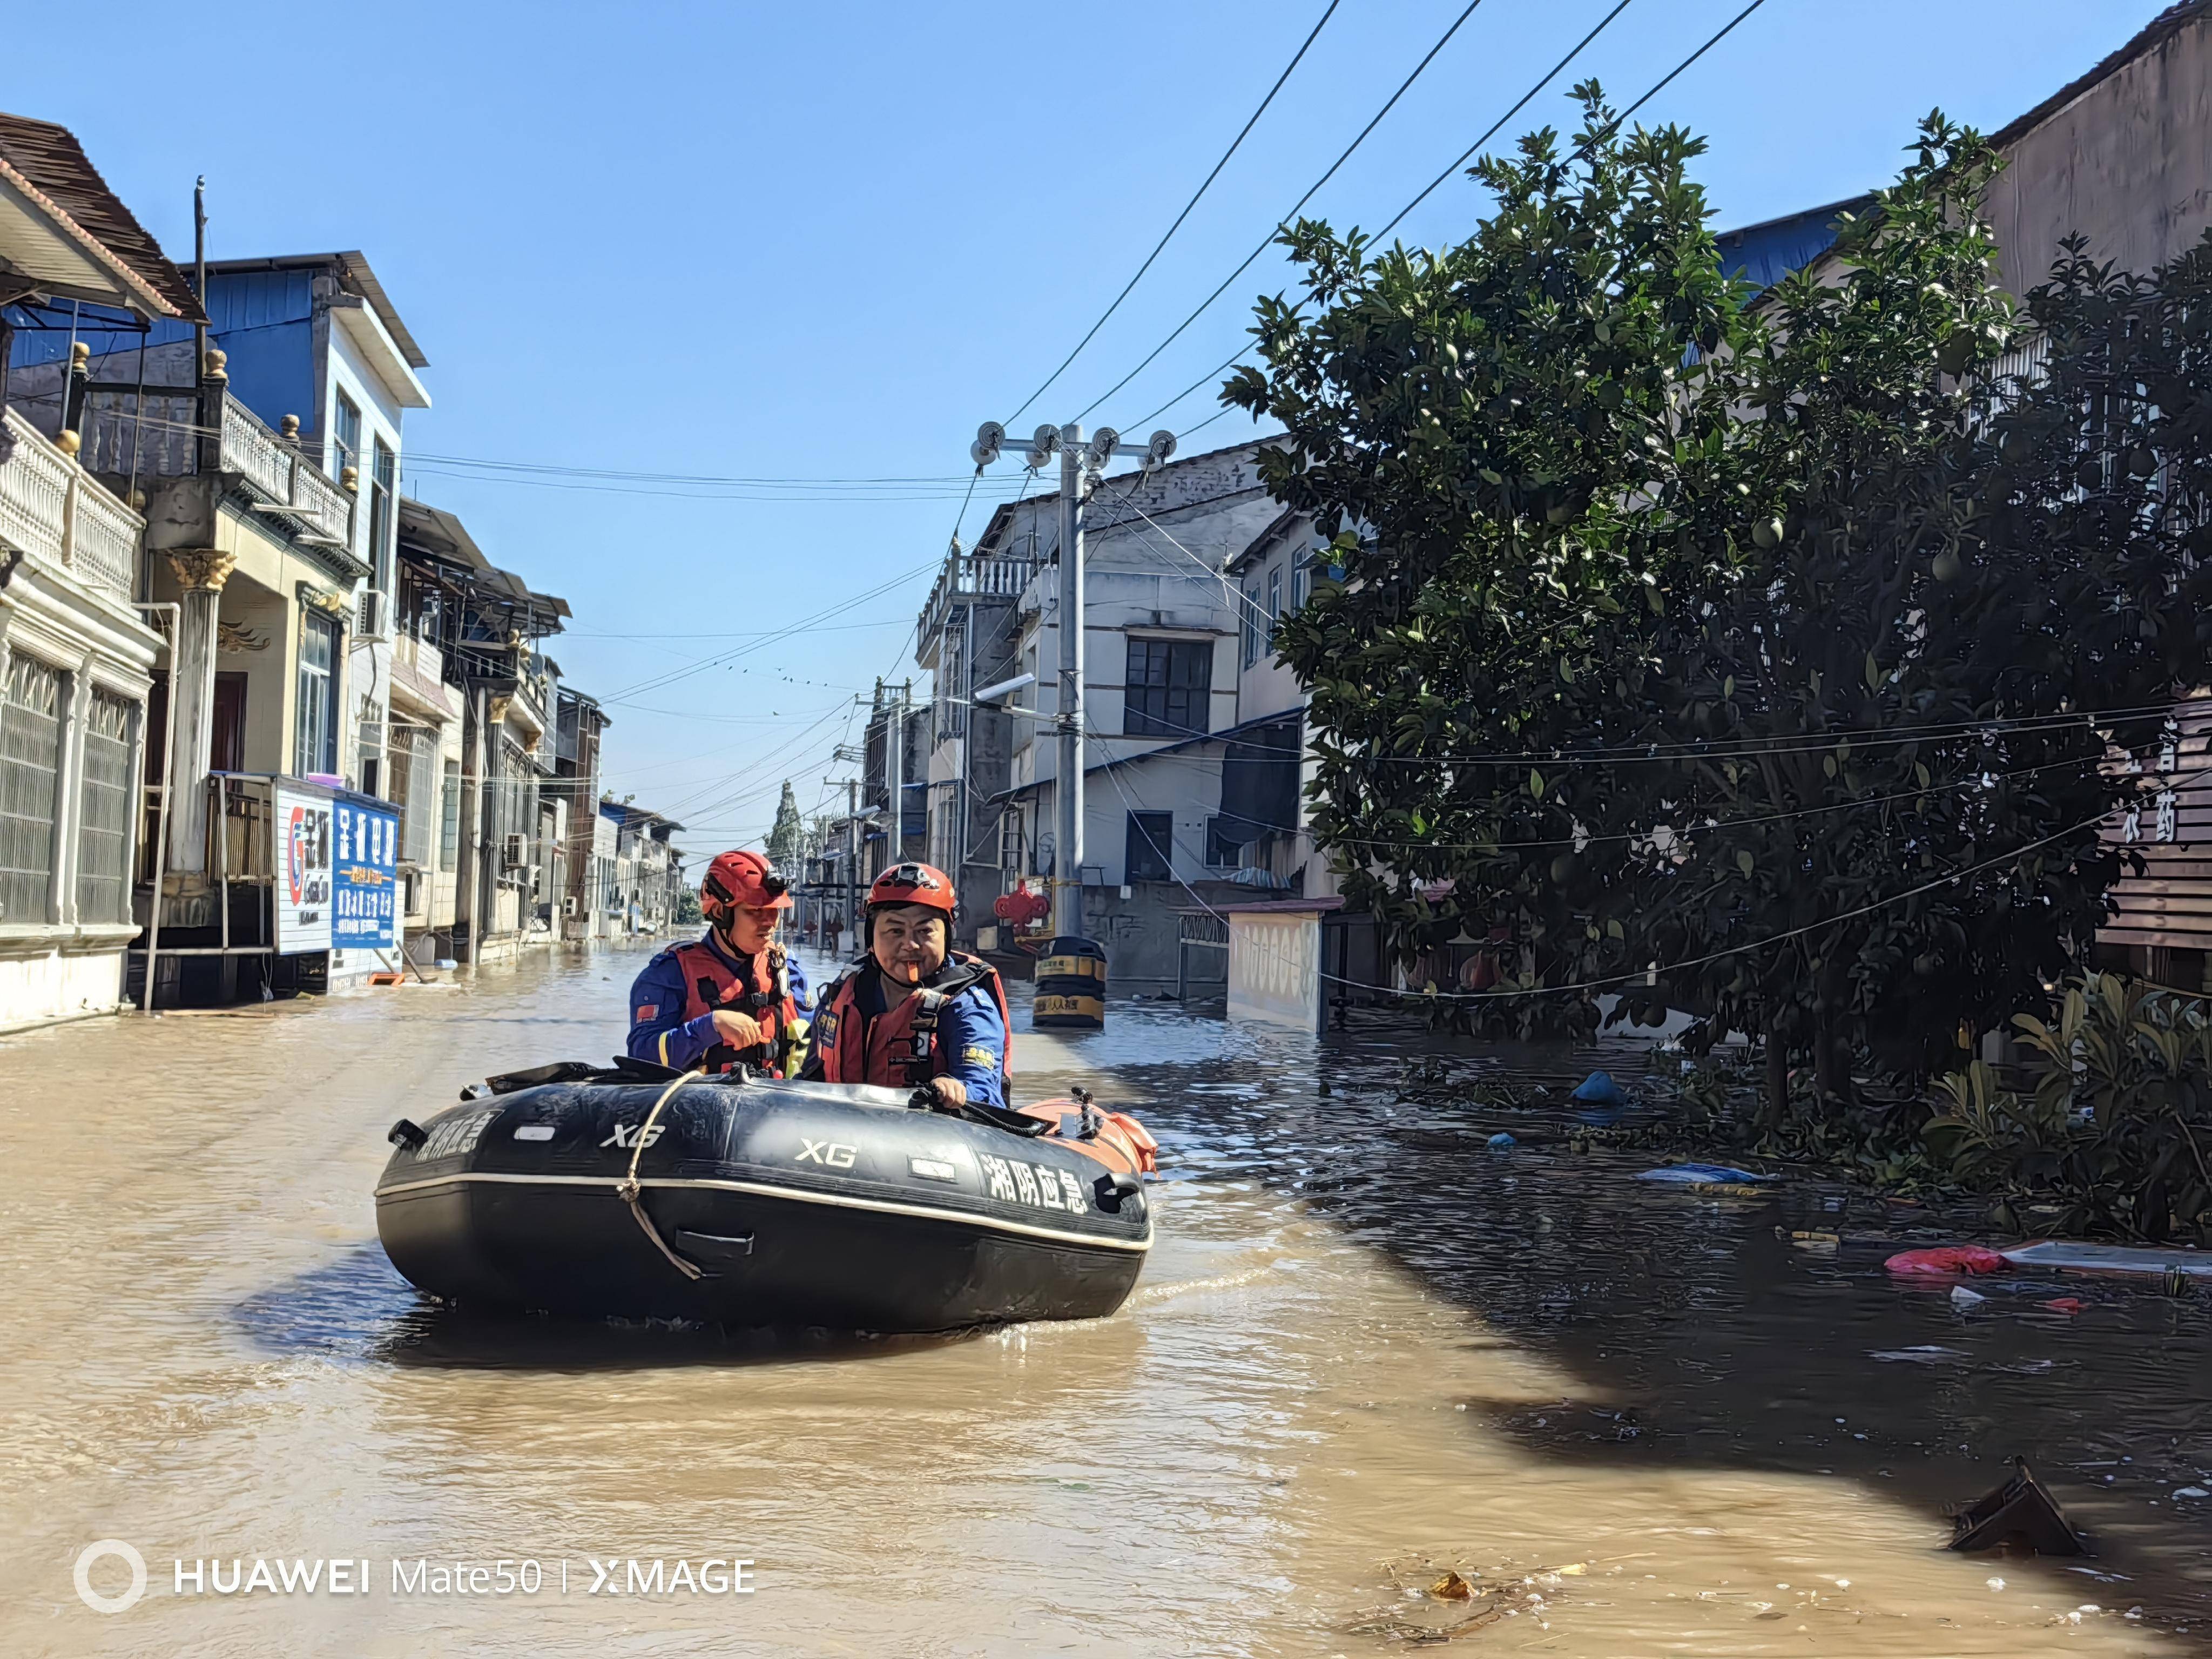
913	884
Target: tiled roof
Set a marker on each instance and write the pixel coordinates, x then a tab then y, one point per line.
50	158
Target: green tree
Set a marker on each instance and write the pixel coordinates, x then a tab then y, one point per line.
786	840
1777	657
1515	443
1969	595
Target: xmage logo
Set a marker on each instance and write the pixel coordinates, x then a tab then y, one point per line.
626	1136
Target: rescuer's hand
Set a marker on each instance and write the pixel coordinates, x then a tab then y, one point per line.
738	1031
950	1089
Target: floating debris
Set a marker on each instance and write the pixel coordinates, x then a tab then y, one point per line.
2018	1515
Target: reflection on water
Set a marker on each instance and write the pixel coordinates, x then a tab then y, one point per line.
1368	1350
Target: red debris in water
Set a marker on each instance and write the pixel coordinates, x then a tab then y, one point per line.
2065	1304
1944	1260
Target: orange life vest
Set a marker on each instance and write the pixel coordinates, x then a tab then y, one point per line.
899	1048
710	982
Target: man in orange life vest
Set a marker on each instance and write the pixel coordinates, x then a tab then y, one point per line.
915	1013
731	998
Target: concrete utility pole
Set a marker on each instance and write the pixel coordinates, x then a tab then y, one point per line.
852	850
895	776
1079	466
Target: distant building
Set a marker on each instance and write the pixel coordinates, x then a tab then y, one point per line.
495	875
1162	627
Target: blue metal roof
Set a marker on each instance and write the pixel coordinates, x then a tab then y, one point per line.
1764	253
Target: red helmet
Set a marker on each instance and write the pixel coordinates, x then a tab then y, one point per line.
913	884
742	879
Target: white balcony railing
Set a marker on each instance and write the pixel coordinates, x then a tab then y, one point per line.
158	440
972	578
58	515
278	471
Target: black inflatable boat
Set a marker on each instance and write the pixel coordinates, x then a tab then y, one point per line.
761	1202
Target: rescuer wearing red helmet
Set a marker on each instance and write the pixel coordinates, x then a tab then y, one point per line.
915	1014
732	998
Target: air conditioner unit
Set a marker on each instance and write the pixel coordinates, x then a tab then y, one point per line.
511	855
376	619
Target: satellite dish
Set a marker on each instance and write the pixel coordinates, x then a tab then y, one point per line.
1104	443
990	437
1162	446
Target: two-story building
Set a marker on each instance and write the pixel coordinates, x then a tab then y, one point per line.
1162	630
77	652
265	445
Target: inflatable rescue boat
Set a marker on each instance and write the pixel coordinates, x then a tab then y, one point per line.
633	1192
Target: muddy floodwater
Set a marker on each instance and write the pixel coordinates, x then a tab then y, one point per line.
1367	1350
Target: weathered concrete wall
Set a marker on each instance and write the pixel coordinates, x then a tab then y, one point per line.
2128	164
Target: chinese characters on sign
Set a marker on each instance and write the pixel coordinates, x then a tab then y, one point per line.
365	907
303	871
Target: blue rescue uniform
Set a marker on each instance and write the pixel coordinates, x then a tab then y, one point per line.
672	1024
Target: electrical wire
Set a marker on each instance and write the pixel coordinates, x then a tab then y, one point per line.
1242	133
798	628
1657	86
1268	240
1654	971
1550	75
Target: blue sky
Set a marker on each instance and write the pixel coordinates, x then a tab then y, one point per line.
823	242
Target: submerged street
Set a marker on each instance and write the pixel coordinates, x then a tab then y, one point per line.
1367	1350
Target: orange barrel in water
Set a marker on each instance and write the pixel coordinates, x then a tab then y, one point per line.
1071	986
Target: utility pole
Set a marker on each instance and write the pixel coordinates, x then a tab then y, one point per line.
852	847
1079	466
895	777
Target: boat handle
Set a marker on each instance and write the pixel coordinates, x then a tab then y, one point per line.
1115	1190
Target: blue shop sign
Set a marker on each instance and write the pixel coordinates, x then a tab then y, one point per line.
365	892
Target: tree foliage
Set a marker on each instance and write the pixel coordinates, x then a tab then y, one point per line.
788	839
1774	661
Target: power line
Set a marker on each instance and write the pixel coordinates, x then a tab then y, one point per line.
1242	133
800	627
1655	970
1268	240
1657	86
1549	75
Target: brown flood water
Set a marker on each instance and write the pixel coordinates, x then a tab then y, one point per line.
1366	1350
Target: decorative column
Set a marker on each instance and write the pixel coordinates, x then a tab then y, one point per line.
200	574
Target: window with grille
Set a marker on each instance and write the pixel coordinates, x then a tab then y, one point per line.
103	876
415	790
449	826
30	754
1256	627
315	747
1166	695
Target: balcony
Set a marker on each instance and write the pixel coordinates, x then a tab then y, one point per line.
970	579
418	674
160	442
57	515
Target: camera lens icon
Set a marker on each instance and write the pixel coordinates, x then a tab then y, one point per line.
99	1551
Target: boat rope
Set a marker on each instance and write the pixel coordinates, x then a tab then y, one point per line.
633	1194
